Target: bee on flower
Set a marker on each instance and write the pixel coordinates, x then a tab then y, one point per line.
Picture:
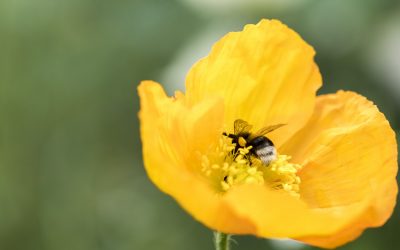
221	151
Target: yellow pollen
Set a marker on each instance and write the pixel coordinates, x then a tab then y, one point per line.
225	168
242	141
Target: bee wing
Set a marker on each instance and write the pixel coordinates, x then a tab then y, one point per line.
240	126
268	129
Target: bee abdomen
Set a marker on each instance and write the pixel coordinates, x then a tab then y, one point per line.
268	157
264	149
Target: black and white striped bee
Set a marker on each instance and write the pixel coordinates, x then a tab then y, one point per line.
261	146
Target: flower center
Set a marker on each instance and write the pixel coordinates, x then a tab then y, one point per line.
227	165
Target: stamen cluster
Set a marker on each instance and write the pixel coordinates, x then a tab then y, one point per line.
226	167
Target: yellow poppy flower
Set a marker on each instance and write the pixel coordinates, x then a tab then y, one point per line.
334	171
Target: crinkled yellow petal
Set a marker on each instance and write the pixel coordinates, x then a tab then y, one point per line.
349	156
281	215
265	74
171	133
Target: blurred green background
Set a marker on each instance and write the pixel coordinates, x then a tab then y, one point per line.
71	172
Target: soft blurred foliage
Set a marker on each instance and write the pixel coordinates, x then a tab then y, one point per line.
72	175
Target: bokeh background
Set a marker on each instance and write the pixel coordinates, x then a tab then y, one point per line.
71	172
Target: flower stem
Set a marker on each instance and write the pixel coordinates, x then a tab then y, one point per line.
221	241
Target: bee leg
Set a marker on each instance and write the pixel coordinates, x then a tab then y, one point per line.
232	136
251	156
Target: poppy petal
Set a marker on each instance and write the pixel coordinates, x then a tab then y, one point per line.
281	215
349	155
265	74
171	132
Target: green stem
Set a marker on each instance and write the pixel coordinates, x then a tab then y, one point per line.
221	241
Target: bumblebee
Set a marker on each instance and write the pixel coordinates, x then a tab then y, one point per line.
261	147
